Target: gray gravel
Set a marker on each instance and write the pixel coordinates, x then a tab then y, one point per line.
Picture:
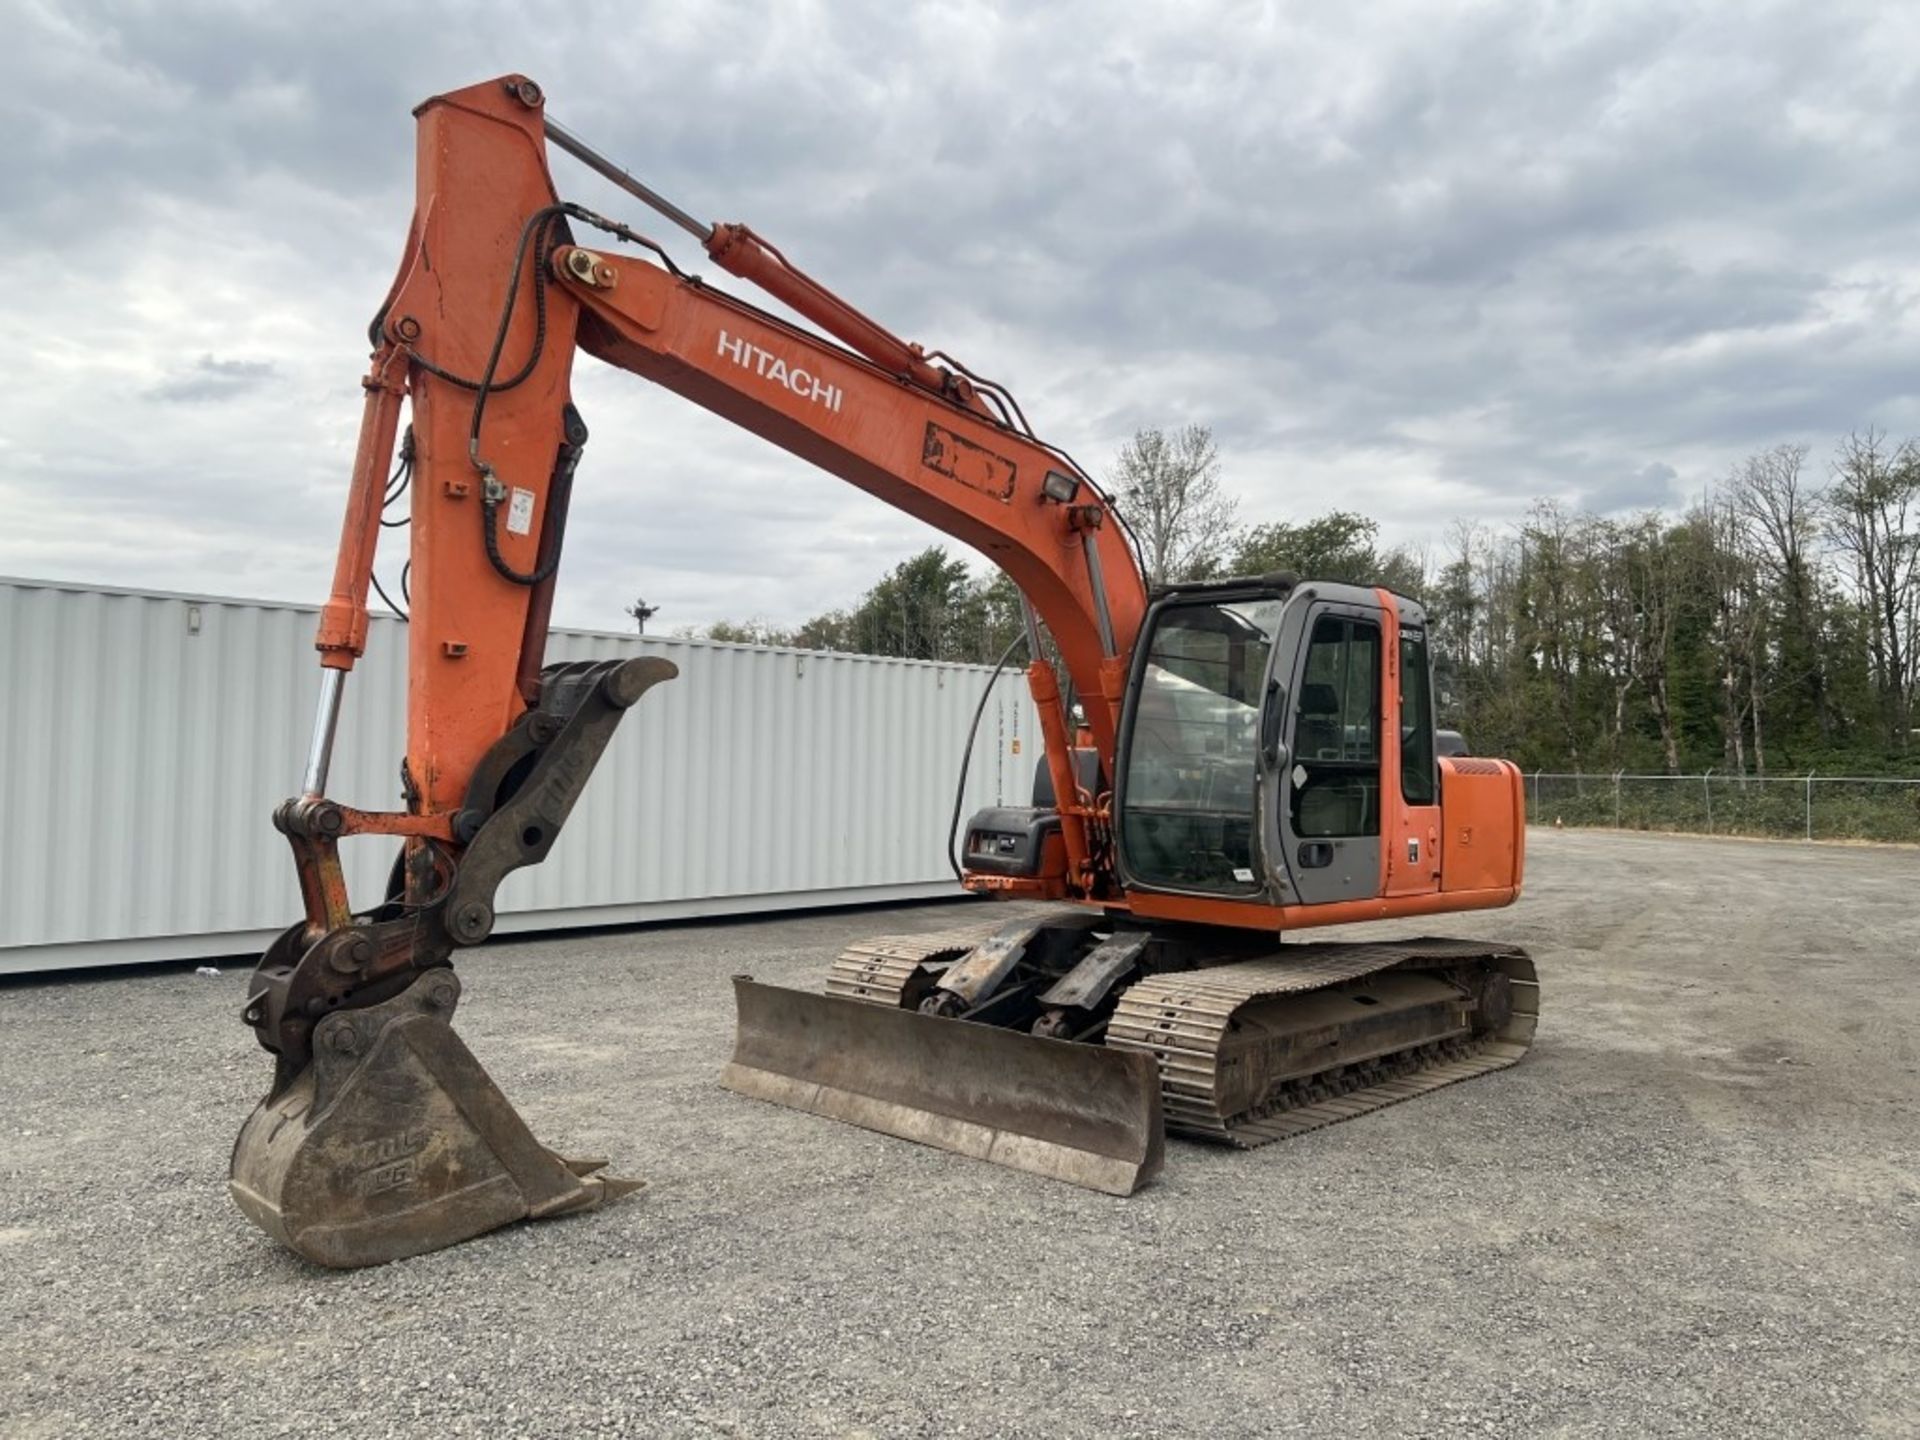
1695	1209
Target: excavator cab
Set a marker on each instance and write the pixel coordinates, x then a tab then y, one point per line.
1271	718
1270	746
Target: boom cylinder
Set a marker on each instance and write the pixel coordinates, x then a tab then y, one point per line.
342	635
326	720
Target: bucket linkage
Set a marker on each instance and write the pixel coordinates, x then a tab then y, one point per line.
382	1136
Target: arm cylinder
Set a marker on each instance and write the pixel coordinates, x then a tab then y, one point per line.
601	165
739	250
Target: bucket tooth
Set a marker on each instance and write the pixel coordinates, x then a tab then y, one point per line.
1079	1113
394	1141
612	1187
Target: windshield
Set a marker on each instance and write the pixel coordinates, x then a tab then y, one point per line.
1188	821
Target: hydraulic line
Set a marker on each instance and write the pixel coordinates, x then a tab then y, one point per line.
381	590
966	759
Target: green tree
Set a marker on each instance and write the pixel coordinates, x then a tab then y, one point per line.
928	607
748	632
918	610
1339	545
832	630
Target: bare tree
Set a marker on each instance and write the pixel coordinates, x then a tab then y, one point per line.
1873	515
1475	603
1655	579
1781	514
1557	609
1168	487
1620	628
1737	628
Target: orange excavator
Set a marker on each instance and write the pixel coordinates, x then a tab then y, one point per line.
1225	762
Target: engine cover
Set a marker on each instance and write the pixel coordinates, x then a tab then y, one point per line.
1021	840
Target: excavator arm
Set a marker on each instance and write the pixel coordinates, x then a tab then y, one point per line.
494	292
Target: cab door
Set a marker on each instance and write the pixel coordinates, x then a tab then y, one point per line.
1323	750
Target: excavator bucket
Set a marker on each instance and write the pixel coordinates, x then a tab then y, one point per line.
394	1141
1080	1113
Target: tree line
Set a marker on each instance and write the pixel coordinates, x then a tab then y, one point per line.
1773	627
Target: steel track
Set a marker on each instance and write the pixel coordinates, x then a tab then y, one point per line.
1184	1021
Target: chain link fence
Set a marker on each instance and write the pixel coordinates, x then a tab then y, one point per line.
1804	807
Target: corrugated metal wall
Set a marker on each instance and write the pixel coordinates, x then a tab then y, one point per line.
146	738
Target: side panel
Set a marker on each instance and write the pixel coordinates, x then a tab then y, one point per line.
1413	857
1481	840
1240	915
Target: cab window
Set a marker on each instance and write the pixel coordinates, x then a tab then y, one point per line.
1416	720
1336	736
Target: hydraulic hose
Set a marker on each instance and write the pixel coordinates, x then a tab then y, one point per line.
966	758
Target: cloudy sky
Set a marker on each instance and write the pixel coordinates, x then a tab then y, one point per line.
1424	260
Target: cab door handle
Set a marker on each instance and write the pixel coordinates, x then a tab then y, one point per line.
1315	854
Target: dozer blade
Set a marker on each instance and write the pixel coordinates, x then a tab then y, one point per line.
395	1141
1080	1113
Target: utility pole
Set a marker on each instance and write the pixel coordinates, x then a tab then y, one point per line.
641	613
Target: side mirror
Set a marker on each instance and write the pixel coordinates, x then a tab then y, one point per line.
1272	713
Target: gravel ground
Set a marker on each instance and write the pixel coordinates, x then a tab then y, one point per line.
1694	1210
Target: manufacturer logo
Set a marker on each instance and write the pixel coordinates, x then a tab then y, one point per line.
775	371
391	1162
396	1176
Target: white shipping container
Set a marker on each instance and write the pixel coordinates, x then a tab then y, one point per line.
145	739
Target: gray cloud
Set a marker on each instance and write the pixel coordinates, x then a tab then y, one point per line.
213	379
1649	487
1425	260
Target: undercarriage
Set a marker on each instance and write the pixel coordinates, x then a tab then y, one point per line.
1067	1043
